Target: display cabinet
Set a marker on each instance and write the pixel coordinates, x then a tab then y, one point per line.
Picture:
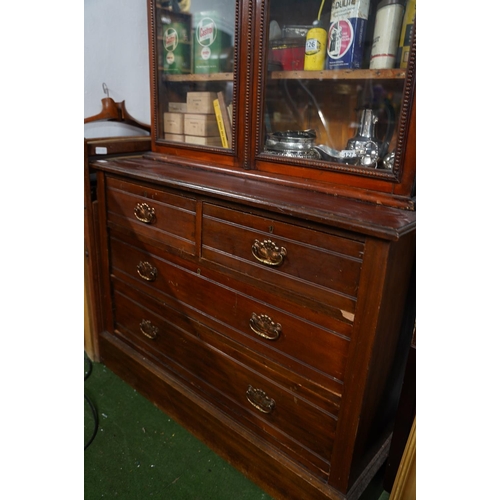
337	126
253	267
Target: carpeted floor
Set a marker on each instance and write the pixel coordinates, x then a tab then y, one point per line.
136	451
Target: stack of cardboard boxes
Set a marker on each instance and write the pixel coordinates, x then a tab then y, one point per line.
194	121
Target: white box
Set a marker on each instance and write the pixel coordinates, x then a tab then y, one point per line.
201	125
200	102
173	123
175	137
177	107
205	141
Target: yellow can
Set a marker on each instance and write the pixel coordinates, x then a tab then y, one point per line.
406	34
315	49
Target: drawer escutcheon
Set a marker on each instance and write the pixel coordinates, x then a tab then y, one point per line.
268	252
264	326
148	329
144	213
147	271
259	399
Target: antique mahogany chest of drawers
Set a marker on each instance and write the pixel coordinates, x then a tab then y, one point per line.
266	323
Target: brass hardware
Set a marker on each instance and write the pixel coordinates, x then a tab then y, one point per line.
268	253
147	271
148	329
144	213
264	326
259	399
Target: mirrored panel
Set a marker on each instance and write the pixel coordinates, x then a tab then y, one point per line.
195	71
336	73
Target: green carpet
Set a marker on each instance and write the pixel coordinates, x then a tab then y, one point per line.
138	452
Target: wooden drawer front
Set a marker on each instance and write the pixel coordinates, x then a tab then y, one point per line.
277	333
154	214
260	399
319	265
240	316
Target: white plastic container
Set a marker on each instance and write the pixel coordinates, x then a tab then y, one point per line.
386	34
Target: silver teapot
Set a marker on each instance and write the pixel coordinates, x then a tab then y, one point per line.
365	141
364	149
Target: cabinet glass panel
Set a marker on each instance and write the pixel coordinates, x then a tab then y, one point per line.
335	80
195	71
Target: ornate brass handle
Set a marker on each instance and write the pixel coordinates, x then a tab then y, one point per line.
268	252
264	326
144	213
147	271
259	399
148	329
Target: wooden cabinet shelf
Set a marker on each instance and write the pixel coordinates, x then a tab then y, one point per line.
211	77
346	74
342	74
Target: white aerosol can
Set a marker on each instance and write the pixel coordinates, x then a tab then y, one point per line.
387	30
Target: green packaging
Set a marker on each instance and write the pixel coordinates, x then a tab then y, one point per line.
212	49
176	42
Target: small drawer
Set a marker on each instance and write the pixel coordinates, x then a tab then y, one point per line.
321	266
157	215
268	325
258	397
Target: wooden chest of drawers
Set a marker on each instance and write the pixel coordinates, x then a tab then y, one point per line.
268	326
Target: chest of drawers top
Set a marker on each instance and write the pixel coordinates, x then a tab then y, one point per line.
261	193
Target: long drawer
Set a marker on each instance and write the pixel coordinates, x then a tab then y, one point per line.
267	324
158	215
255	394
321	266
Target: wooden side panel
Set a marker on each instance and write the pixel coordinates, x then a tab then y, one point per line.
367	413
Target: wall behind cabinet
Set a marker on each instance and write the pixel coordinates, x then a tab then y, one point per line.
116	52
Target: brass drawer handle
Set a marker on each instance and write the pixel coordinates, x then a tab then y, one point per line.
259	399
144	213
264	326
147	271
148	329
268	253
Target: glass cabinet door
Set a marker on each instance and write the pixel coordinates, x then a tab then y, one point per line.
194	42
335	82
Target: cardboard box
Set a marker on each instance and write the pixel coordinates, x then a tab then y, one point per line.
173	123
212	43
205	141
200	102
175	137
200	125
177	107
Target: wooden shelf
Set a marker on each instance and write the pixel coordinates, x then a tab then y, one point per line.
211	77
341	74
